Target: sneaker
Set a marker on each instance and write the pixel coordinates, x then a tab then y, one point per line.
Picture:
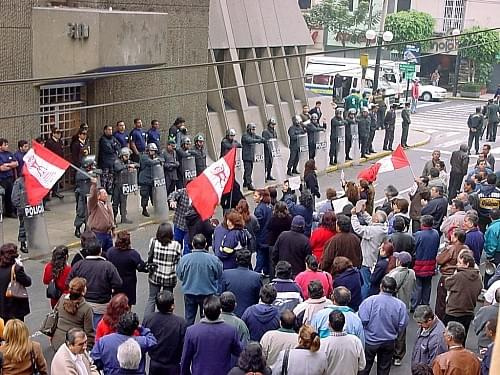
397	362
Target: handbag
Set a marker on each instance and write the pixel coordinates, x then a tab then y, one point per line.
53	291
49	323
15	289
34	369
284	365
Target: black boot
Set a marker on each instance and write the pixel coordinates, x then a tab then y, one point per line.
295	171
77	232
145	212
270	178
23	247
289	172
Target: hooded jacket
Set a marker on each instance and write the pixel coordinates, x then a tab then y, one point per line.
463	287
292	246
447	258
261	318
492	239
351	279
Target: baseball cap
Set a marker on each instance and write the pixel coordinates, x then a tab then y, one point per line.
403	256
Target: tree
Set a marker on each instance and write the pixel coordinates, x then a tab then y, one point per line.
480	49
335	16
408	26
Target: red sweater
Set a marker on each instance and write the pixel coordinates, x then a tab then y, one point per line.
104	329
60	281
319	238
304	278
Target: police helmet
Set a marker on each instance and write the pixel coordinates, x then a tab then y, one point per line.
88	161
271	121
251	126
231	132
364	109
199	138
185	141
351	111
296	120
314	116
339	110
152	147
125	151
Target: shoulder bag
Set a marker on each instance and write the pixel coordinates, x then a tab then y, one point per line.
52	290
49	323
15	289
284	365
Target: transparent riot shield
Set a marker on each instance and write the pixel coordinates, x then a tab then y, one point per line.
303	151
130	193
259	168
238	168
36	228
321	150
279	166
159	193
188	169
341	145
355	144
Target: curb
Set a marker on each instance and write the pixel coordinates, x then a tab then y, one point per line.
468	99
76	244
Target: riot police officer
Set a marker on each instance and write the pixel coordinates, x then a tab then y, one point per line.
229	142
336	122
148	160
183	153
390	126
269	133
373	126
82	189
350	120
364	131
200	155
122	168
248	141
312	128
170	166
293	133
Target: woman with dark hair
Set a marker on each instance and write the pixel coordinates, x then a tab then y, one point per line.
345	274
11	307
163	256
127	261
251	223
273	193
263	213
312	273
280	221
58	270
85	238
367	191
305	208
385	263
321	235
230	236
400	208
306	358
251	361
74	312
118	306
311	179
351	192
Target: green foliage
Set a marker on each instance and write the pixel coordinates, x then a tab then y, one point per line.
470	87
407	26
334	16
481	50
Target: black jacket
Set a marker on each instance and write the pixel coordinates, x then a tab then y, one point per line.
390	119
459	162
248	142
403	242
226	145
200	159
363	126
11	308
109	147
475	121
311	130
311	181
293	133
268	133
405	115
335	123
292	246
437	208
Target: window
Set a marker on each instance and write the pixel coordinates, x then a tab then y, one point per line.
308	79
304	4
368	83
453	15
404	5
321	79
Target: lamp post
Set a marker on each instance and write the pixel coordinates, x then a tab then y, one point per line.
387	37
455	33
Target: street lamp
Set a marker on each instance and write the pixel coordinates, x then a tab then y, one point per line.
456	33
387	37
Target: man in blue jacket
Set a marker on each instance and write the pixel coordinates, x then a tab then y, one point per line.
436	207
262	317
199	273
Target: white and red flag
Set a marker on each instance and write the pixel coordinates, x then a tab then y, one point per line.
389	163
42	169
206	190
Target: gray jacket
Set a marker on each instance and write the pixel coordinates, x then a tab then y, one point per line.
429	344
248	142
484	314
405	281
371	235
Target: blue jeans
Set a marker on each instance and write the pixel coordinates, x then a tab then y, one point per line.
422	292
105	239
413	105
365	277
95	319
262	261
182	236
191	304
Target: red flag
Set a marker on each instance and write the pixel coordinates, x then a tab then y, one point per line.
42	169
206	190
392	162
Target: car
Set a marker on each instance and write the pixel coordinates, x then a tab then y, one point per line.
430	92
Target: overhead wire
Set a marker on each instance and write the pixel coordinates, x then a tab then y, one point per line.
199	92
99	75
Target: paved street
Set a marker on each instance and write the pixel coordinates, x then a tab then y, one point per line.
446	124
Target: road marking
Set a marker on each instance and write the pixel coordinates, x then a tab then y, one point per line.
444	152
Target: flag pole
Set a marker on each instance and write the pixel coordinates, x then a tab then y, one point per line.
80	170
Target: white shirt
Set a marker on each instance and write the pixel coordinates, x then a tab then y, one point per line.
489	296
77	359
345	354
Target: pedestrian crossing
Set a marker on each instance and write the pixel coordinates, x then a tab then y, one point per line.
446	121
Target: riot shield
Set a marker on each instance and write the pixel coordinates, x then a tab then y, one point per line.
130	193
303	151
36	228
238	168
159	193
321	150
188	169
259	168
355	144
341	144
279	166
